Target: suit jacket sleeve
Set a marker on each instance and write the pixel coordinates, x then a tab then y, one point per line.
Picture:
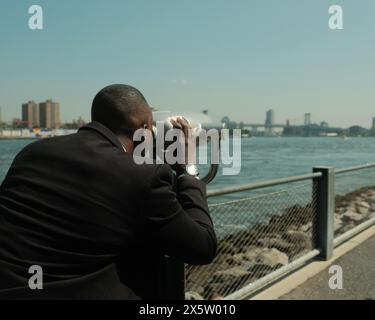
178	220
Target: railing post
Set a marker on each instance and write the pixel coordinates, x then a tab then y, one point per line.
173	279
324	190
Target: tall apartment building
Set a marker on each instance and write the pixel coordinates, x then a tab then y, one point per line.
30	114
270	118
49	113
270	121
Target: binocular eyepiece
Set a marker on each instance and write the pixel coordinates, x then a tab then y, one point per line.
196	127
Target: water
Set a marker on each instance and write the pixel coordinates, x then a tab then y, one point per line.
270	158
265	158
8	150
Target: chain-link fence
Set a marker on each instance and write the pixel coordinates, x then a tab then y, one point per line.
263	236
256	236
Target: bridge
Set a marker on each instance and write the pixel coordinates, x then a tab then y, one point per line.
293	130
263	125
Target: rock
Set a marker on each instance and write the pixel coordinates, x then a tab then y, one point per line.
360	198
340	210
237	258
370	192
347	227
246	264
302	239
235	274
351	208
252	254
272	257
338	222
215	290
351	216
260	270
227	247
191	295
194	287
306	227
201	275
277	243
362	211
363	204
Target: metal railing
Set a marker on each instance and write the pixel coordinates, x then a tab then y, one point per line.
355	201
263	237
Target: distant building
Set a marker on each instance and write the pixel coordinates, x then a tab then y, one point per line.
270	118
270	121
30	114
373	123
49	113
17	123
357	131
75	124
307	119
324	124
312	130
229	124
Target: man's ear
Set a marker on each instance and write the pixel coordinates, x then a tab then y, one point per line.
127	143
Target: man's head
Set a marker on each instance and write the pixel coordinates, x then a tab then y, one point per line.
121	108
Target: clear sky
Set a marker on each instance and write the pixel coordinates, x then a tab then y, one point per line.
236	58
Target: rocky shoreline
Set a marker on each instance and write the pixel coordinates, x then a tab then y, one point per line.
250	254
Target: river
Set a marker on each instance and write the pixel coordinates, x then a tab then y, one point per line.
267	158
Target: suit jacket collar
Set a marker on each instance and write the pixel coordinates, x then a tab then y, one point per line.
104	131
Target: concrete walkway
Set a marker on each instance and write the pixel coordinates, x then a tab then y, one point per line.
358	278
356	257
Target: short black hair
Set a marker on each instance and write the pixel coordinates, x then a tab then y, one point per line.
114	106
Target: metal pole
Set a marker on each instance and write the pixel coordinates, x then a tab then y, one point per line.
324	191
262	184
353	232
173	279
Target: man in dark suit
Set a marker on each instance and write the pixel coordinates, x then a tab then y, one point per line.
98	224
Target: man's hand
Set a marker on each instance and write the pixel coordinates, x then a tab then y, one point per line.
189	142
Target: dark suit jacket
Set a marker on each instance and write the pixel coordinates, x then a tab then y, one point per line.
98	224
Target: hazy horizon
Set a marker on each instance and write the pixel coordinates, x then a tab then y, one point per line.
237	58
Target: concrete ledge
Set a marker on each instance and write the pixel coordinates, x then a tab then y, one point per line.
297	278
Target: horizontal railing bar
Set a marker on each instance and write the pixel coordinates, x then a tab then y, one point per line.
353	232
248	290
356	168
263	184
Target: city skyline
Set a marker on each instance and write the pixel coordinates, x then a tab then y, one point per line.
47	115
44	114
236	59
